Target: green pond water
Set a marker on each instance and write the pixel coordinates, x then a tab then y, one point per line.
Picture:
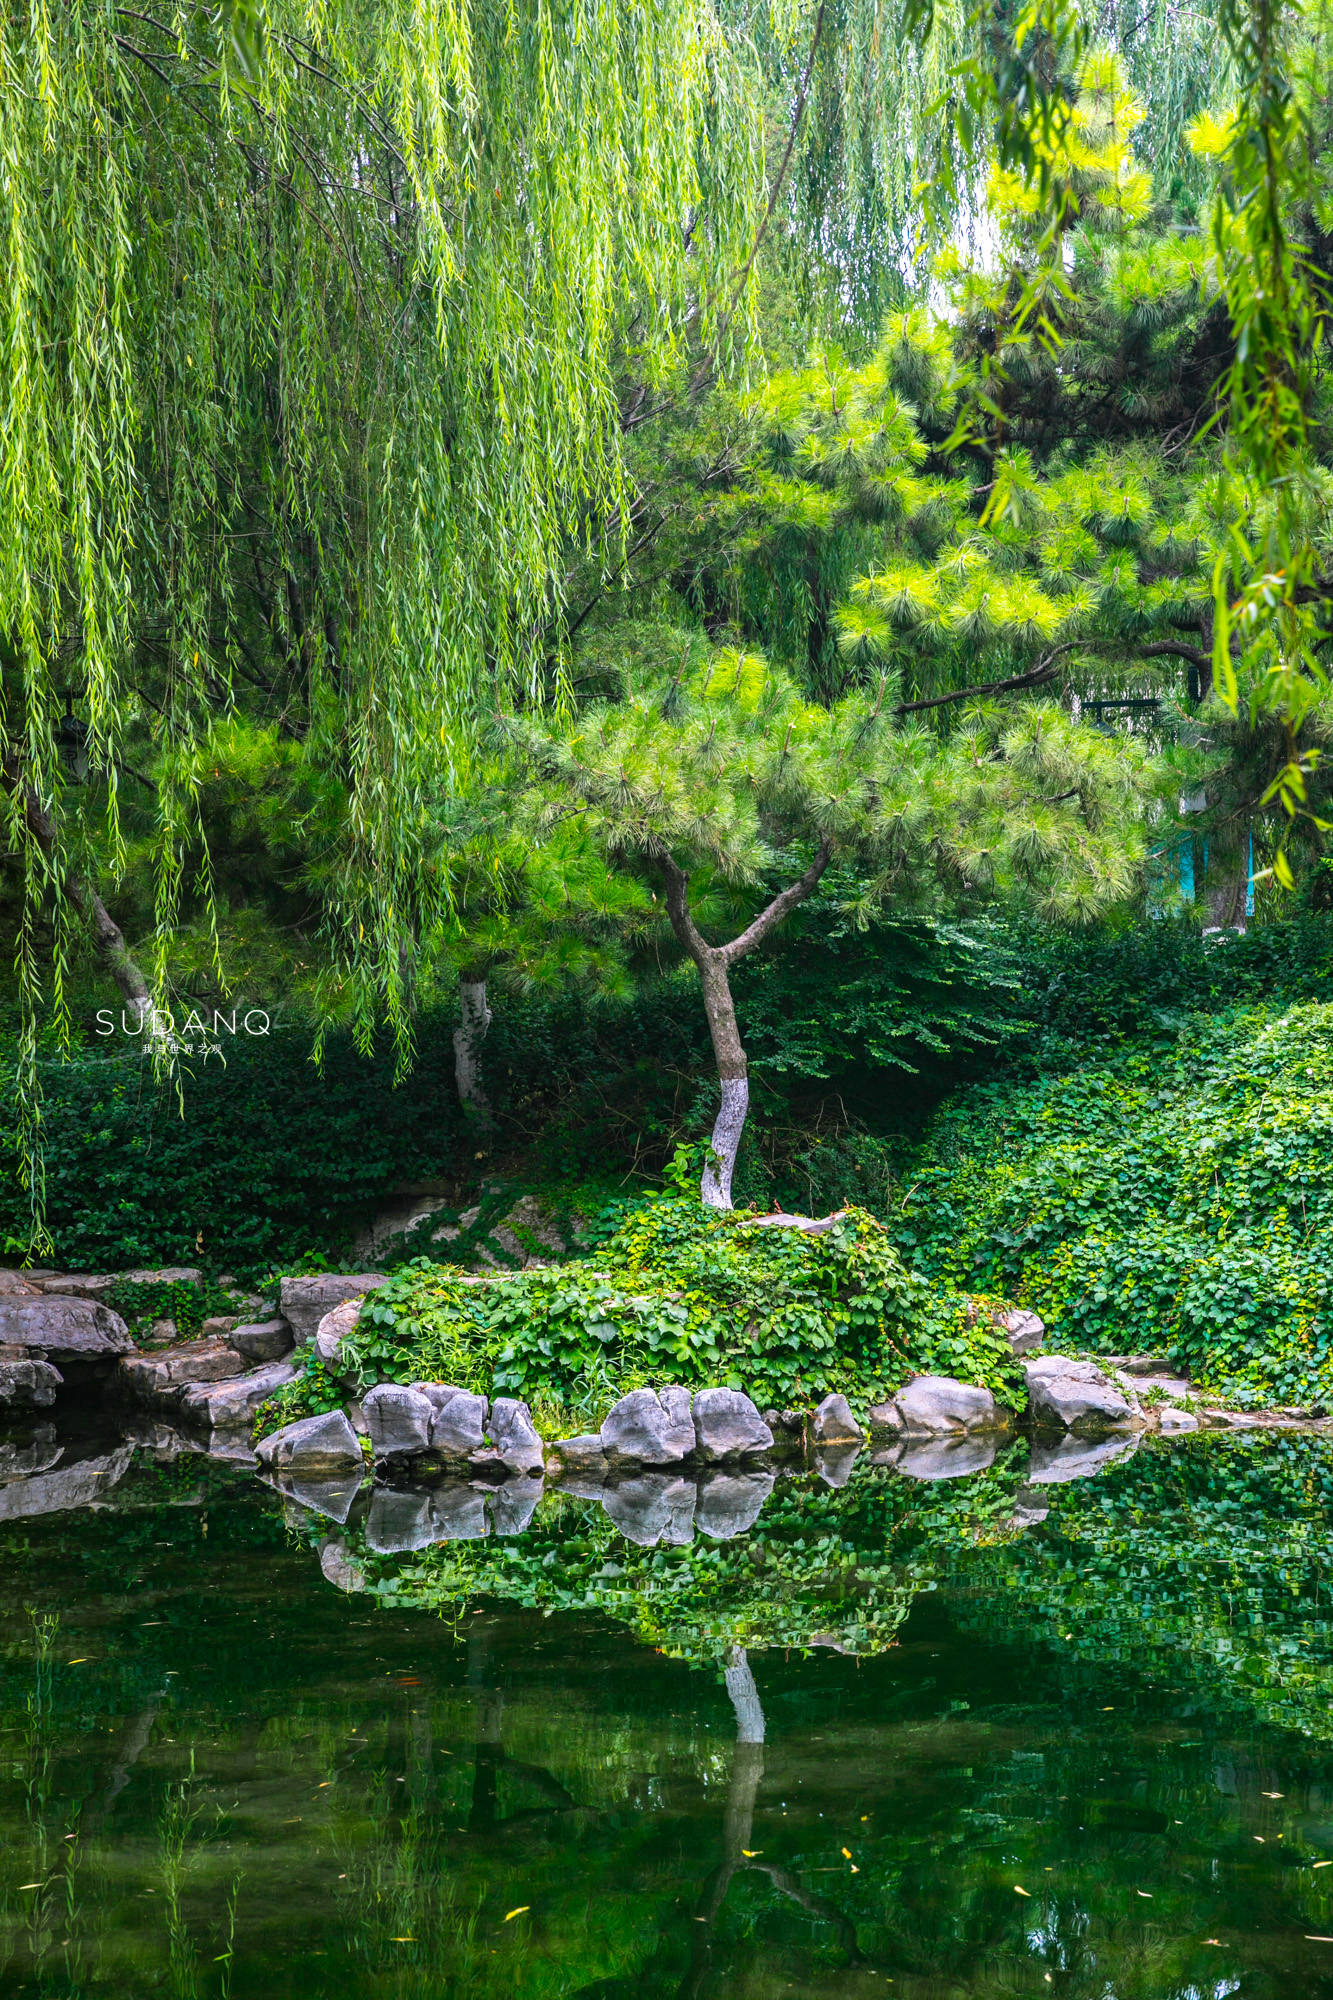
245	1752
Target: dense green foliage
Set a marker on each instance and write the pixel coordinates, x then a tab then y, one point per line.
676	1295
1173	1197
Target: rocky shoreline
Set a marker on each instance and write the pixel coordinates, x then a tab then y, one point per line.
450	1463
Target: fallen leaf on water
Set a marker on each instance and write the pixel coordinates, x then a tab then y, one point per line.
1022	1892
518	1912
1313	1937
30	1885
82	1660
1273	1795
1324	1864
402	1940
751	1853
1212	1940
1262	1842
847	1853
1144	1892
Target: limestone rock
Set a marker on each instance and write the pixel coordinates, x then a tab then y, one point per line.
583	1453
219	1324
27	1384
1075	1396
654	1507
527	1223
338	1322
835	1424
1026	1330
649	1427
161	1378
232	1447
18	1284
809	1225
303	1302
262	1340
160	1333
729	1503
230	1406
727	1425
398	1421
326	1443
935	1405
57	1325
514	1435
1172	1422
458	1427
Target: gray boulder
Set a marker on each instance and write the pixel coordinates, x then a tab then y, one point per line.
1074	1395
808	1225
159	1380
1026	1330
332	1331
303	1302
835	1424
729	1503
437	1394
28	1384
230	1406
583	1453
398	1421
514	1435
727	1425
1173	1422
312	1445
934	1405
459	1512
458	1427
56	1325
262	1340
649	1427
654	1507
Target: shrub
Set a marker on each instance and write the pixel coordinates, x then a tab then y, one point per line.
679	1294
1177	1199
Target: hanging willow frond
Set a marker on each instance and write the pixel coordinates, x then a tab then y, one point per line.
308	347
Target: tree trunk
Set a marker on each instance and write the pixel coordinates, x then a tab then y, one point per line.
108	938
733	1075
714	962
468	1037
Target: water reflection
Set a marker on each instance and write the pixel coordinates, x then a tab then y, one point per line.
956	1737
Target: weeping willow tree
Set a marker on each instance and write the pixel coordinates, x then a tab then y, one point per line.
866	93
310	333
